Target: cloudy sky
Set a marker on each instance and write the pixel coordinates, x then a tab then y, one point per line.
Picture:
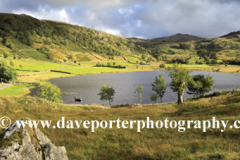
137	18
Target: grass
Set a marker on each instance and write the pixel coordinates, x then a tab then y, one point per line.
95	70
127	143
32	65
15	90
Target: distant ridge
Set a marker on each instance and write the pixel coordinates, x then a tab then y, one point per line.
231	35
177	38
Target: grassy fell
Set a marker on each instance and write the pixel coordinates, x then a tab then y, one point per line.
127	143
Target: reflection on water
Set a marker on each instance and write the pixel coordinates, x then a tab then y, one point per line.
88	86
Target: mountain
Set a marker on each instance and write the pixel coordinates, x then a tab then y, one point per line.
178	38
232	35
23	36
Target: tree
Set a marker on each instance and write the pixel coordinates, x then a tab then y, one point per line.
50	92
7	73
159	86
5	55
139	90
162	66
180	78
70	56
154	97
200	85
11	63
107	94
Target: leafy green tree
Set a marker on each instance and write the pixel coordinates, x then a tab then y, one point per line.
11	63
107	94
7	73
139	90
185	46
154	97
200	85
159	86
70	56
162	66
50	92
5	55
180	78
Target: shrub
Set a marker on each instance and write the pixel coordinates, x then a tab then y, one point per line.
5	55
7	72
50	92
162	66
11	63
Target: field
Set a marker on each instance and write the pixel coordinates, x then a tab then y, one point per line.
128	143
15	90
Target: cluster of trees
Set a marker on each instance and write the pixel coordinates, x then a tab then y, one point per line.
7	72
203	53
196	84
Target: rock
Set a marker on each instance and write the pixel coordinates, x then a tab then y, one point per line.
51	152
34	145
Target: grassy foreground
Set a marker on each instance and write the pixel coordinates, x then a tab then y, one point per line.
127	143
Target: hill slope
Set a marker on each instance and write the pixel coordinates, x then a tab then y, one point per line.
189	49
27	37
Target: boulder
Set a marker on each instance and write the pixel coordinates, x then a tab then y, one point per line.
30	144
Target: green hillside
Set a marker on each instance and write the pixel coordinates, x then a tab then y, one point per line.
188	49
22	36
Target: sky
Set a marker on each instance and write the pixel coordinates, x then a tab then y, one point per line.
145	19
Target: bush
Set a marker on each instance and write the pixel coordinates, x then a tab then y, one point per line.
5	55
75	61
162	66
11	63
7	72
50	92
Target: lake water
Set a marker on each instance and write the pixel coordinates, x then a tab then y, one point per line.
88	86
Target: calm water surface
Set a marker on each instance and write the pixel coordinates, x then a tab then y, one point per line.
88	86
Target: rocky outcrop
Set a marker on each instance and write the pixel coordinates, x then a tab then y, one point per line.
29	144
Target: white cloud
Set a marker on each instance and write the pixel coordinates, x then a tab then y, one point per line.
42	13
116	32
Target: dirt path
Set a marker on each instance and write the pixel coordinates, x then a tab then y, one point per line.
6	85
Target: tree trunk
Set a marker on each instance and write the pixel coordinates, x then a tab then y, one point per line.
180	98
161	99
110	104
